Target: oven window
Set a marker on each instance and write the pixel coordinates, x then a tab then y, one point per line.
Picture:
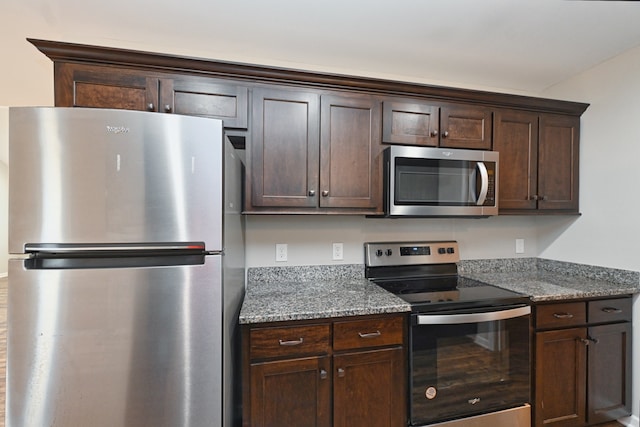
467	369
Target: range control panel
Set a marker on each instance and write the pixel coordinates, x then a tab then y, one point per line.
377	254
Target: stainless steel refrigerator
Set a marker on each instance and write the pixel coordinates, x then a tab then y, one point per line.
127	271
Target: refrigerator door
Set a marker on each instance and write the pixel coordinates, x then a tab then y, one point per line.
87	176
115	346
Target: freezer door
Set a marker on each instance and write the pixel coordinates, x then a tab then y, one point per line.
83	176
115	347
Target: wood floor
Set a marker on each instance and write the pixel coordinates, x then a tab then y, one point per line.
3	350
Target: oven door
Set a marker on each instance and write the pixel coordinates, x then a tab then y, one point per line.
469	363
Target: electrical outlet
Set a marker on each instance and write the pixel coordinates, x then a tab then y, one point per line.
281	252
519	246
338	252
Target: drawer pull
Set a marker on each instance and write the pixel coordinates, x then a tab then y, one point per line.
292	342
611	310
369	335
563	315
584	341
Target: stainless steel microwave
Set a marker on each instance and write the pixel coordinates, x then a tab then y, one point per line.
440	182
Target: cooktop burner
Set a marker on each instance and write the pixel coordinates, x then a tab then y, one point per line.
425	274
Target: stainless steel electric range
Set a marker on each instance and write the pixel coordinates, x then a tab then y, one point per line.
469	342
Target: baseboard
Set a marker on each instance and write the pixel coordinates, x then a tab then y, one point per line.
632	421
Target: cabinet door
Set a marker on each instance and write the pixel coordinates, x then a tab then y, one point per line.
350	153
465	127
197	96
292	393
283	156
560	378
516	139
609	392
412	123
558	153
104	87
369	389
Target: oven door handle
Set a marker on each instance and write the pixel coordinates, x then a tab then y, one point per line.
455	319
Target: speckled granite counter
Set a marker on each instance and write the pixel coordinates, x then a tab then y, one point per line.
548	280
312	292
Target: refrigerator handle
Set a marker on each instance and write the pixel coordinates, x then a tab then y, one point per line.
62	248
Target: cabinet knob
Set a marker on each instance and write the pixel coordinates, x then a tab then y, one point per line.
325	193
312	193
167	108
445	134
434	132
340	372
584	341
151	107
323	374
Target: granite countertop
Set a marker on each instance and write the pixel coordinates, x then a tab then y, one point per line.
313	292
548	280
314	296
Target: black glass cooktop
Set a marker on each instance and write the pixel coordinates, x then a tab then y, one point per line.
445	293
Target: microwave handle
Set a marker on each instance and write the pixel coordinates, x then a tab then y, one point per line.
484	183
457	319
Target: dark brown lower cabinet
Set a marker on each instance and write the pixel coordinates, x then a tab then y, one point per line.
343	373
367	391
293	393
582	362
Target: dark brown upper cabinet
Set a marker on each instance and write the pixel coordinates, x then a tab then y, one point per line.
313	153
539	156
121	88
413	122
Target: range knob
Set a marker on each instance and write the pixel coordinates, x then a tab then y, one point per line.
379	252
442	251
389	252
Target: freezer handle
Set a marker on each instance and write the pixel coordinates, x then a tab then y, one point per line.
65	248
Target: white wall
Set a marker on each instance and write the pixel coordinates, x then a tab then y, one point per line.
310	239
4	187
609	230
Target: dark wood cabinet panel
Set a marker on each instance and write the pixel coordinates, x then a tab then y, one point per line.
292	393
516	139
312	154
609	385
104	87
111	87
560	382
283	156
411	123
350	152
352	383
558	162
201	96
466	127
582	367
538	162
367	391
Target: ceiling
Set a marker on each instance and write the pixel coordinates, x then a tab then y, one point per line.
509	45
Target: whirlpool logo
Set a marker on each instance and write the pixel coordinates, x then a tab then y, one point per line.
117	129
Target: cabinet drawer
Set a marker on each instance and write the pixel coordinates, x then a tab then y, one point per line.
289	341
367	333
610	310
561	315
